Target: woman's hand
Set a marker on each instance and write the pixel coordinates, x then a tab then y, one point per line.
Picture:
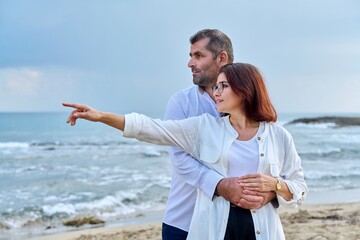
258	182
85	112
264	183
82	111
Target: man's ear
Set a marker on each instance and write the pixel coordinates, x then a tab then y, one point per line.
223	58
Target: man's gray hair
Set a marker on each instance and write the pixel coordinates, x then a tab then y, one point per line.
218	42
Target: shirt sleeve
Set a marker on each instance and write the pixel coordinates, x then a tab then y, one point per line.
182	133
292	174
192	171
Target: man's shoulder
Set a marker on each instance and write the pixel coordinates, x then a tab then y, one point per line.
190	102
186	93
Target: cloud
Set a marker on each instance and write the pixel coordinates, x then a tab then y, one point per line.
317	93
304	50
39	89
346	48
23	81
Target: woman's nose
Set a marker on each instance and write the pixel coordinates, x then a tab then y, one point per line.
215	92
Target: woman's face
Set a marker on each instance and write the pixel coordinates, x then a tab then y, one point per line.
227	101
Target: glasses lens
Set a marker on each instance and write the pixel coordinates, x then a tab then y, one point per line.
221	87
218	87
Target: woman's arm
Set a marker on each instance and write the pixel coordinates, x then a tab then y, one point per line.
292	172
88	113
181	133
290	177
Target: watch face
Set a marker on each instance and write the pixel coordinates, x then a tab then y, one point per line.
278	186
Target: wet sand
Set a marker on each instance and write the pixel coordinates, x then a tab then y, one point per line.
309	222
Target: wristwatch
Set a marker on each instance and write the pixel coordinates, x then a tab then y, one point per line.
278	185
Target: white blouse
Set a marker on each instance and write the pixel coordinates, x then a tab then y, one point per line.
208	139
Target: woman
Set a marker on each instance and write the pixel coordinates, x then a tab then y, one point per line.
245	142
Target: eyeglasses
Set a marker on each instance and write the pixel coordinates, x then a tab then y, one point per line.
219	87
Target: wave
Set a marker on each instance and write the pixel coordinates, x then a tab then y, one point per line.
315	125
44	144
12	145
331	154
56	209
331	176
322	151
29	151
329	180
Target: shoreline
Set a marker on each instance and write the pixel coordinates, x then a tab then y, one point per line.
143	226
331	215
312	221
333	196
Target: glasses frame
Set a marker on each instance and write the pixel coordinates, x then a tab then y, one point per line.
219	87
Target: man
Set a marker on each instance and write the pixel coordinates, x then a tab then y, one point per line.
210	50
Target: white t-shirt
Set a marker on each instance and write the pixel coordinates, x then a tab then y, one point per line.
243	156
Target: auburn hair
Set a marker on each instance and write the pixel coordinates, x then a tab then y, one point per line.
246	81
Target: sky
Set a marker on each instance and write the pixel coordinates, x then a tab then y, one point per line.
131	55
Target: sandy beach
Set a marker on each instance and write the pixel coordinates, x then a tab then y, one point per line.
310	222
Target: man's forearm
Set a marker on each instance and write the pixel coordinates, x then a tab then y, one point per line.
193	172
229	189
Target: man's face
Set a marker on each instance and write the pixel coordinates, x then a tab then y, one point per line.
203	66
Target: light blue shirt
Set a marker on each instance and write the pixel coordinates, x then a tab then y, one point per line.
188	175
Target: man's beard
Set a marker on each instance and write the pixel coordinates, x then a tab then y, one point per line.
204	80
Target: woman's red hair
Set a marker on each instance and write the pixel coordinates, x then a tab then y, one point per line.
247	82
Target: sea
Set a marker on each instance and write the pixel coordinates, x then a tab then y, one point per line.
51	172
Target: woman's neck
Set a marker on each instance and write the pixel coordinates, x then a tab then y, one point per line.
246	128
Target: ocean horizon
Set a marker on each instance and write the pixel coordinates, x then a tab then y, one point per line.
51	172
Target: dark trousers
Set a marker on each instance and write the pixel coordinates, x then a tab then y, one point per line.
240	224
173	233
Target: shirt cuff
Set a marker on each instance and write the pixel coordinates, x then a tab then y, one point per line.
210	181
298	196
131	121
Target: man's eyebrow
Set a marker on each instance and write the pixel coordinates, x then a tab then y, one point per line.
195	53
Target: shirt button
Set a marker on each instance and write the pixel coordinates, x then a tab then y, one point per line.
258	232
254	211
259	138
261	154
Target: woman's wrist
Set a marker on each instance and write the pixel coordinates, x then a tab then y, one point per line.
278	185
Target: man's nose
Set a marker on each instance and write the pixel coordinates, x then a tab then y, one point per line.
191	63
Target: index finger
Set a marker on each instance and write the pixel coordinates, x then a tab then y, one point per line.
254	175
74	105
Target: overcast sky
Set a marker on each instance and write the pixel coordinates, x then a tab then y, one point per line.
131	55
